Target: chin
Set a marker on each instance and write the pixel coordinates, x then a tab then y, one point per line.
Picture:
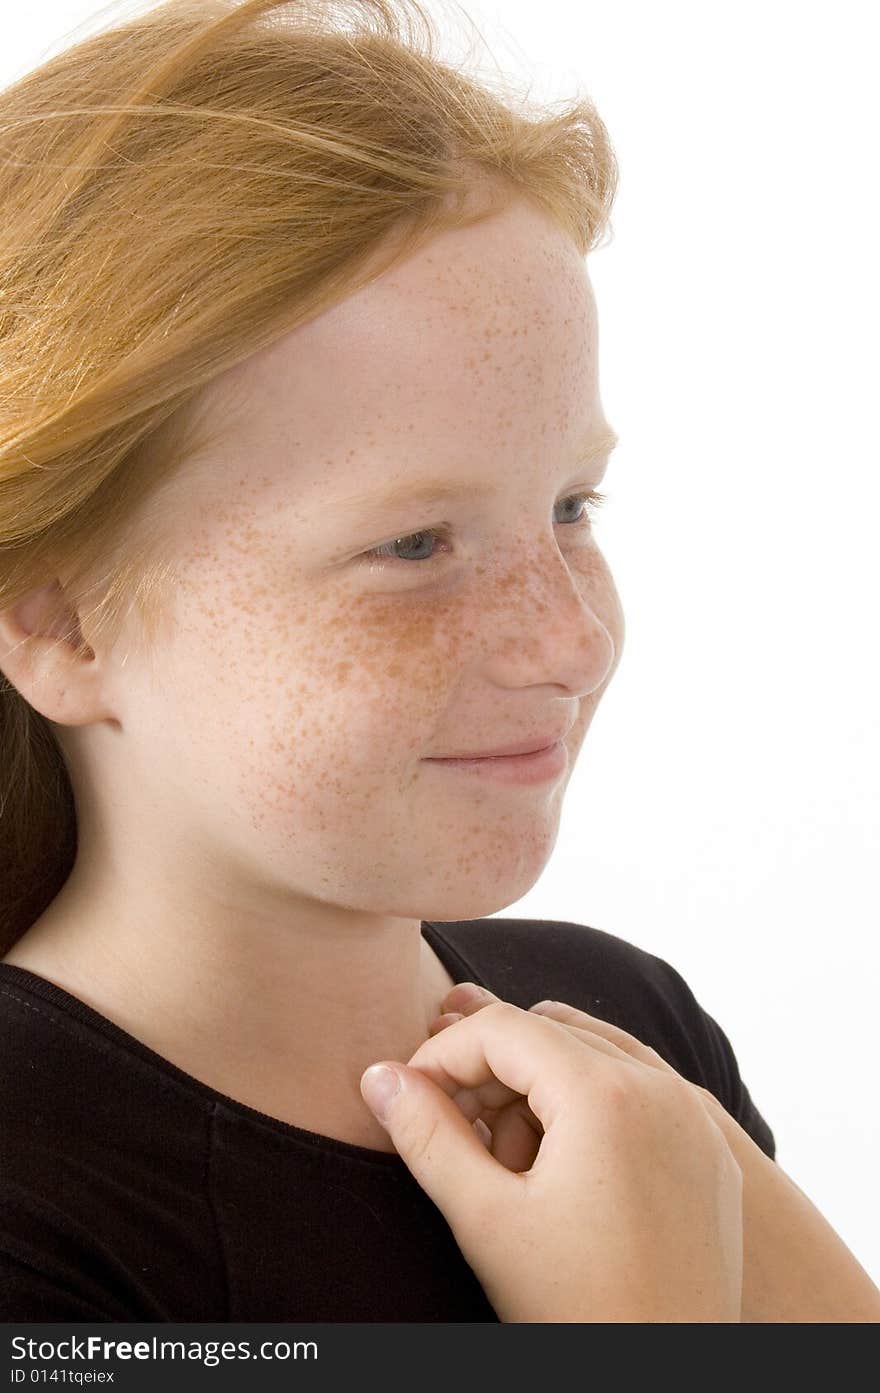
478	902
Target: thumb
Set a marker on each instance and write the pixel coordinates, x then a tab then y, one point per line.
435	1139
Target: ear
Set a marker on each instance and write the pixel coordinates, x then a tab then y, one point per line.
44	656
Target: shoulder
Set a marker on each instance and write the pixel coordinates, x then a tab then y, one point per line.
527	960
102	1166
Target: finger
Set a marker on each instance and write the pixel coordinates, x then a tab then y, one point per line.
441	1022
467	997
535	1057
629	1044
512	1132
470	997
476	1100
473	1102
483	1133
516	1137
446	1155
570	1017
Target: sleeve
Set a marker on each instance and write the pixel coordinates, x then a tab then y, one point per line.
29	1295
697	1046
733	1092
610	977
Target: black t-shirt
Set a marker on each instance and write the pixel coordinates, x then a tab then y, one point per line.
130	1191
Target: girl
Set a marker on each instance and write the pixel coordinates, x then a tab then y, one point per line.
302	439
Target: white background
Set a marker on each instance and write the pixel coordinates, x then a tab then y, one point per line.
724	813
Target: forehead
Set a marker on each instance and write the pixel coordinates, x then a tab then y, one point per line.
486	337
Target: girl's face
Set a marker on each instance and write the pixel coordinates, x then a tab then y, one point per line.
327	640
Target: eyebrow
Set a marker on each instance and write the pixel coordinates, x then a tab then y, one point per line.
440	491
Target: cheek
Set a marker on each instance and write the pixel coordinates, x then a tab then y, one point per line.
328	689
321	690
400	659
408	653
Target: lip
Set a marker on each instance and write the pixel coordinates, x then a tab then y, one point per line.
537	767
522	747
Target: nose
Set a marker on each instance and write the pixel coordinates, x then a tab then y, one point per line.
543	624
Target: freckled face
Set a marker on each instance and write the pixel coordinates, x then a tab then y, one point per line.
284	733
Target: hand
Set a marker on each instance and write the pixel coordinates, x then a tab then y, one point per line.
795	1266
605	1190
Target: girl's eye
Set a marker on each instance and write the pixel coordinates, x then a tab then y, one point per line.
591	501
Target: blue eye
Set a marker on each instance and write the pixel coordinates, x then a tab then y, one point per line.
378	556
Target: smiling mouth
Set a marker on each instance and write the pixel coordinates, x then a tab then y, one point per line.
533	767
521	747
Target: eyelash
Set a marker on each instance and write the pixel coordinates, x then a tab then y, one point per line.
377	557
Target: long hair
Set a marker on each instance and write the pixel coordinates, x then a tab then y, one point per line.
178	191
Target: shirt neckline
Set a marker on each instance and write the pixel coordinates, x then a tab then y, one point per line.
451	957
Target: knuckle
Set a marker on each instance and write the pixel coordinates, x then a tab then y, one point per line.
626	1092
699	1110
709	1098
619	1091
681	1094
501	1011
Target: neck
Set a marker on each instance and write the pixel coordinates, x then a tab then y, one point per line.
282	1013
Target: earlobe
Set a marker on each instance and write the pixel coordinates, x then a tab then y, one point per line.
44	656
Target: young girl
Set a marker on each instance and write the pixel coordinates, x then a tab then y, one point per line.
302	439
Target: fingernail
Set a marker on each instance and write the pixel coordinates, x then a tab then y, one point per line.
483	1133
379	1086
466	991
545	1006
